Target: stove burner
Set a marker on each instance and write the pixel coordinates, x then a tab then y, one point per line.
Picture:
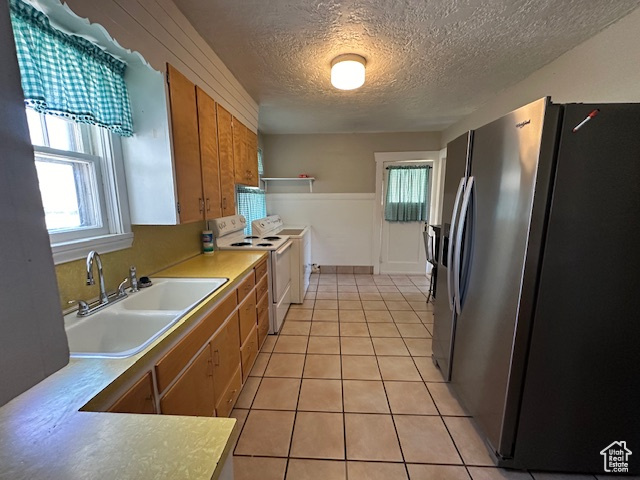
265	244
272	238
240	244
250	237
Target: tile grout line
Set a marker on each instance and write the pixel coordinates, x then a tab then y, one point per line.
344	415
306	353
295	414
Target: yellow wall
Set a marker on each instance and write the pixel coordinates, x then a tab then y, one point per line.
154	248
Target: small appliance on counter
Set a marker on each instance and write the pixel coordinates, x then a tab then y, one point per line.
300	251
229	235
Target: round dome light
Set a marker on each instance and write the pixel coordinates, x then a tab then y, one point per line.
348	71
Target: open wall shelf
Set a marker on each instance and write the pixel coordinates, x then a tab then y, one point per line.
288	179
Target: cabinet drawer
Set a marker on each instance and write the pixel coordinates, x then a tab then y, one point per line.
230	395
263	328
261	270
248	318
138	399
263	305
262	286
182	352
249	352
245	287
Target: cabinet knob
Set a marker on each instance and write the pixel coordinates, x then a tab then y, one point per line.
201	202
208	205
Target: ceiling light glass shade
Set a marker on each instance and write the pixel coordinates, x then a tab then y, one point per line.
347	71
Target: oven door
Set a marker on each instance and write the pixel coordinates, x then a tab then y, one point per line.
281	262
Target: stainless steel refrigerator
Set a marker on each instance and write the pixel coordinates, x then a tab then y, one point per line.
456	176
546	347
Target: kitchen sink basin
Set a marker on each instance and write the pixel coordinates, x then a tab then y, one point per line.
120	333
130	325
172	293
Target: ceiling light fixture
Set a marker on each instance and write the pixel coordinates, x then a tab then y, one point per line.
347	71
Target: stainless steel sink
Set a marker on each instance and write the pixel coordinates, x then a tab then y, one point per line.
128	327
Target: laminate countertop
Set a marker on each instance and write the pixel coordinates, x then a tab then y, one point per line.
44	435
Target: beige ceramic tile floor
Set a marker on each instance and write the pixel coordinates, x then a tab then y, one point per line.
348	391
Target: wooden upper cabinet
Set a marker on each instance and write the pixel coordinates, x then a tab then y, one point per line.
186	146
252	158
138	399
208	131
193	393
245	154
225	150
239	151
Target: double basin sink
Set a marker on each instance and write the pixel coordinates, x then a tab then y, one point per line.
130	325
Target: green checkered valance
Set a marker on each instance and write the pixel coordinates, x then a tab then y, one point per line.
407	197
67	75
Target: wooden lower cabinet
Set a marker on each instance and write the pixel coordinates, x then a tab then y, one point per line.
261	271
263	329
226	355
249	352
245	287
196	381
169	366
230	394
138	399
248	316
261	287
193	392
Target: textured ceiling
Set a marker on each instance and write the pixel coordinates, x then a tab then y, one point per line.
429	62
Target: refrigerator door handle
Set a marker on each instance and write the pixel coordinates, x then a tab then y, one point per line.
454	217
457	259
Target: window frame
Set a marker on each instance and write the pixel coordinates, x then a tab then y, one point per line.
111	195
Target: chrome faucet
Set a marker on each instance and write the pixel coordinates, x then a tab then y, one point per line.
84	308
103	292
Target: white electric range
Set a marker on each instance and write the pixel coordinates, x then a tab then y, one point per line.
300	251
229	235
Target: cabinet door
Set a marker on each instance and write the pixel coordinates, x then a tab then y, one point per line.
249	352
239	151
252	158
207	127
226	355
225	149
193	393
186	146
248	316
138	399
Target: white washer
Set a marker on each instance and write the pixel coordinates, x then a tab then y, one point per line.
229	235
300	251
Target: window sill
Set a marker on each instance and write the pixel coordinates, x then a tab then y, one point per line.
77	249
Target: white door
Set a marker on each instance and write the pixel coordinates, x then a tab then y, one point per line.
402	244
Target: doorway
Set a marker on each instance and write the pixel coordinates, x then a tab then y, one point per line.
399	245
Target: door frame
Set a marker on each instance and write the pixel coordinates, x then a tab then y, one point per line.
434	159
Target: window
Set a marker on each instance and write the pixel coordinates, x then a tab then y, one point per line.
252	204
408	194
78	174
77	105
